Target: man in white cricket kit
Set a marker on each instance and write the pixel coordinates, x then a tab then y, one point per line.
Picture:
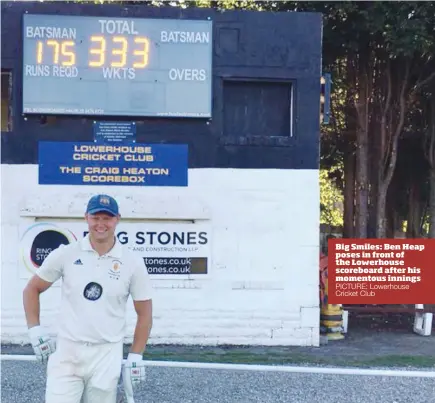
98	276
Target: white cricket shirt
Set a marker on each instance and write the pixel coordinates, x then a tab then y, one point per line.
95	289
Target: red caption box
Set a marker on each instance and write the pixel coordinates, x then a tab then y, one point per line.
381	271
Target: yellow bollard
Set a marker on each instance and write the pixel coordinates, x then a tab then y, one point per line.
331	315
331	321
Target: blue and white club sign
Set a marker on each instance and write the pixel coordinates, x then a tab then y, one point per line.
39	240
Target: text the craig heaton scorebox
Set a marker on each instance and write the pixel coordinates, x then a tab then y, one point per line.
381	271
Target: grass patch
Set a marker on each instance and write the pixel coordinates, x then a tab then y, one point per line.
403	361
245	357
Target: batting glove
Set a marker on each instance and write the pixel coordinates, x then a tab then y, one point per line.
42	344
134	371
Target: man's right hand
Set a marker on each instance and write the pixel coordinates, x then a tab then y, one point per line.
43	345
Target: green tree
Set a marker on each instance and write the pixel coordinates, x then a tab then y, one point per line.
386	52
331	200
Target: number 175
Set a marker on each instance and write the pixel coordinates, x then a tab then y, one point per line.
119	52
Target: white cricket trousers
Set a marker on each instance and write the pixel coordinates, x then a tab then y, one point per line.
83	372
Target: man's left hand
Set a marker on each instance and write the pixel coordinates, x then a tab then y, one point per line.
134	369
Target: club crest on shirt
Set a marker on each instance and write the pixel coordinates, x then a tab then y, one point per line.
93	291
115	270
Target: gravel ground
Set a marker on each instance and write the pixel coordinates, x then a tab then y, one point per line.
24	382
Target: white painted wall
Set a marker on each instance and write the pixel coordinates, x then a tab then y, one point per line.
263	287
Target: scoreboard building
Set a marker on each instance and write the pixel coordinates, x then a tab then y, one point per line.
205	127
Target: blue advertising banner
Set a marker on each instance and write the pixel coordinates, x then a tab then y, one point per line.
71	163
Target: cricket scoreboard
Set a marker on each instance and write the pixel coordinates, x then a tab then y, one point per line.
80	65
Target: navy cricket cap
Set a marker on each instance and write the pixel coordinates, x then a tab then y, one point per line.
102	204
